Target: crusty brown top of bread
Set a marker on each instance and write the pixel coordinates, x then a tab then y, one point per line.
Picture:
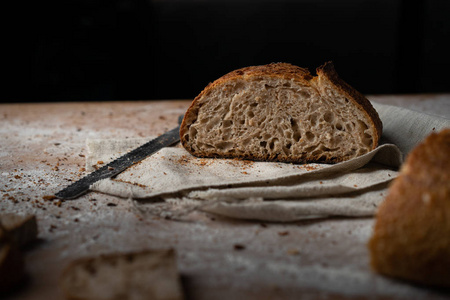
282	70
411	238
282	75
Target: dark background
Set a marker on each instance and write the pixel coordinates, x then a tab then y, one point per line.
171	49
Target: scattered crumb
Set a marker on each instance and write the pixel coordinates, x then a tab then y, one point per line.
49	197
293	252
133	183
283	233
238	247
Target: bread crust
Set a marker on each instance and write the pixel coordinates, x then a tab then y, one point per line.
288	72
411	238
356	97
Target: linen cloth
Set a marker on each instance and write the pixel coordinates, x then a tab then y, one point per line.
172	182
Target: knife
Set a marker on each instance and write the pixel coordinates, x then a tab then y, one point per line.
120	164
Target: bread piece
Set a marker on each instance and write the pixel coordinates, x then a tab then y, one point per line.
145	275
280	112
11	263
22	229
411	238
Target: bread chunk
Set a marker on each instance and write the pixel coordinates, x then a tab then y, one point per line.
16	232
11	263
280	112
411	238
135	276
22	229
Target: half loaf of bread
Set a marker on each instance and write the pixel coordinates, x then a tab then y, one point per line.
411	238
280	112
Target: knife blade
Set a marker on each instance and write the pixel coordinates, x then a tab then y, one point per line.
117	166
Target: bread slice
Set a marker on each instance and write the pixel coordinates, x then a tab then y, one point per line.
144	275
411	238
280	112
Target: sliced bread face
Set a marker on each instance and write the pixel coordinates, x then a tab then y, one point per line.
151	275
280	112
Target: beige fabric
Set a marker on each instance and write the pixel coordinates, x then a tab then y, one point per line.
266	191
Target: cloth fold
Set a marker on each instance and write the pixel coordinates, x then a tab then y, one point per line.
268	191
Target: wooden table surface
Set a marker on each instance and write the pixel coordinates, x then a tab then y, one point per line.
42	149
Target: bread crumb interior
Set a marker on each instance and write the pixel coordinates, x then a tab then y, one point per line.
278	119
